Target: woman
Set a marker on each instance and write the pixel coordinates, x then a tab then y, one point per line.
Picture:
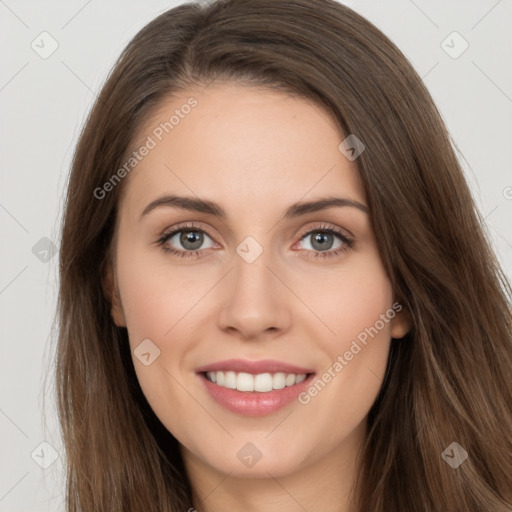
338	335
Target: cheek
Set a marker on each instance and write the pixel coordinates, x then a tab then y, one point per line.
163	305
357	346
158	308
351	301
155	298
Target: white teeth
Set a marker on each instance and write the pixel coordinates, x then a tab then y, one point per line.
279	380
263	382
244	382
230	380
290	379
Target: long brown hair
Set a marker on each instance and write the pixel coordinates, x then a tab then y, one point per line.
448	380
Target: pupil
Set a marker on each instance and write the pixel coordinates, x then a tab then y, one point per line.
191	237
319	238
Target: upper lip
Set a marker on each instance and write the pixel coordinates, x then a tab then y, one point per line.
253	367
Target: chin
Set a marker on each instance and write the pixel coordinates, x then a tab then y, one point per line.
255	459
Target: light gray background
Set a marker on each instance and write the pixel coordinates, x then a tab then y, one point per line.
43	103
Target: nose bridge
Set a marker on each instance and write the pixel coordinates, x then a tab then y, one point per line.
254	300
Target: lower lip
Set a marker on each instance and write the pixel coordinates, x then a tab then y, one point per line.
254	403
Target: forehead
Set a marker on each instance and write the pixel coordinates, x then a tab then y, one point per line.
243	145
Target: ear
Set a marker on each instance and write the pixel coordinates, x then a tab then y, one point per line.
401	323
111	289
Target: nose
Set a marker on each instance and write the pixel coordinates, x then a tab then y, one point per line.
255	302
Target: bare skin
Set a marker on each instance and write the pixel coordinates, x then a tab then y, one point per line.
254	152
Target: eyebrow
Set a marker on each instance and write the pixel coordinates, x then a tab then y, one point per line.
205	206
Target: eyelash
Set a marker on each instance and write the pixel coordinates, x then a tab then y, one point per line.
348	242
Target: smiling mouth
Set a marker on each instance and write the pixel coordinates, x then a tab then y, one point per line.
261	382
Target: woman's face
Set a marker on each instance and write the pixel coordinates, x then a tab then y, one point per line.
266	283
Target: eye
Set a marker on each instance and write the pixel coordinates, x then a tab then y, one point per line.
190	237
322	239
